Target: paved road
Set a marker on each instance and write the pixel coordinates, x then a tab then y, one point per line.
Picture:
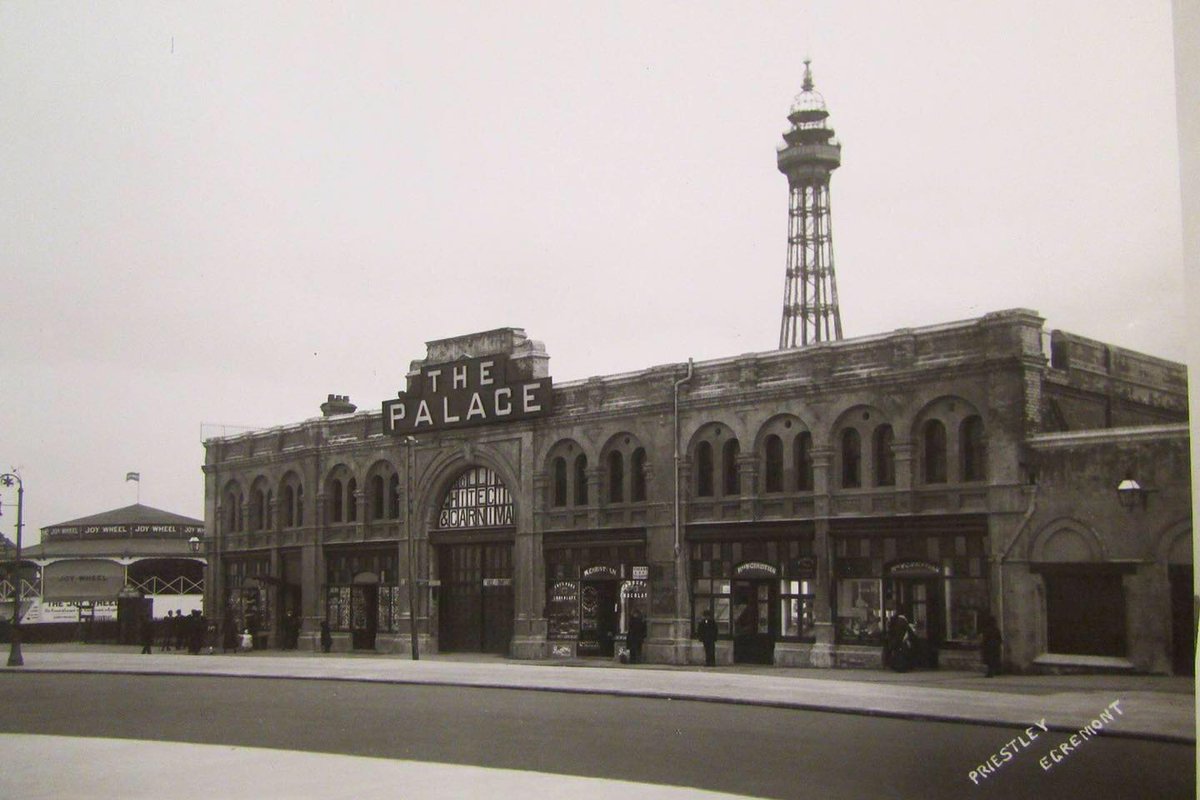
766	752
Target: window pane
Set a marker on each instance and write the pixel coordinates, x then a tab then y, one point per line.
720	587
859	611
966	603
721	614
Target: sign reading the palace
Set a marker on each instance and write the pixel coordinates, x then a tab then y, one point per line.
473	391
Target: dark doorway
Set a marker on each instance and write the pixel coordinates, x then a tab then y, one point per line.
364	616
1085	614
920	601
1183	622
599	617
755	621
476	613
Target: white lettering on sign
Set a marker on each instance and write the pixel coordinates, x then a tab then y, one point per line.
477	391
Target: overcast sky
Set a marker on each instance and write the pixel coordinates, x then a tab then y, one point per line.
219	213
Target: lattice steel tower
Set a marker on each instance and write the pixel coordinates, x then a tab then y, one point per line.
809	155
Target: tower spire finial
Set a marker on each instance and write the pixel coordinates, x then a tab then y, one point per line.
808	81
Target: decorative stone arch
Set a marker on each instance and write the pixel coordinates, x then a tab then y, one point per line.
566	475
777	447
232	500
714	470
1067	541
1174	544
291	500
339	487
622	479
951	410
381	489
261	500
858	421
432	484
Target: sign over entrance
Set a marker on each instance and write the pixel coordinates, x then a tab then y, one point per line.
459	394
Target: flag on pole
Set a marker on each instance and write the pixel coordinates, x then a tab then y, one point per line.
133	476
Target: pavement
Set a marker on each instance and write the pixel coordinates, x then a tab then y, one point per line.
1139	706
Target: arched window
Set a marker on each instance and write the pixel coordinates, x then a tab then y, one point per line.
394	496
773	455
299	506
288	496
802	454
851	459
885	459
560	482
335	510
581	487
638	467
233	511
270	513
729	470
704	470
974	450
933	441
616	477
351	500
376	499
257	510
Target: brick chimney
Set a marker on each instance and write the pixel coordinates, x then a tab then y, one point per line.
338	404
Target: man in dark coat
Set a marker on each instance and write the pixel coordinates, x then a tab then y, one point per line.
706	631
990	645
637	635
326	636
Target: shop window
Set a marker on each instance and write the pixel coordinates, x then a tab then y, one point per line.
581	487
973	449
394	496
933	443
851	459
376	499
885	459
859	611
802	453
729	467
616	477
560	482
715	596
966	605
796	614
638	482
704	470
351	500
1085	614
773	456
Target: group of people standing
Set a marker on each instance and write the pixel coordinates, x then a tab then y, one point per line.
178	631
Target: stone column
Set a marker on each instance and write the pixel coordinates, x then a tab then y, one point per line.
747	468
905	465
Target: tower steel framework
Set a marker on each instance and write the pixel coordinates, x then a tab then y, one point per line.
807	157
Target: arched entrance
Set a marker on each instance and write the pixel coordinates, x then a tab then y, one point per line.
474	541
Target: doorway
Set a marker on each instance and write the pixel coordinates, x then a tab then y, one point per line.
599	617
477	607
920	601
364	615
755	621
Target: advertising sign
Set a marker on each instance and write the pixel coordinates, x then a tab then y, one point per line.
460	394
74	581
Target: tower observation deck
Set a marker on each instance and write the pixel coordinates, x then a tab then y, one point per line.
807	157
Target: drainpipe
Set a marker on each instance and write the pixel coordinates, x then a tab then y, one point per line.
678	383
1000	566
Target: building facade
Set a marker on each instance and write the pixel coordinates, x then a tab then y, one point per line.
802	495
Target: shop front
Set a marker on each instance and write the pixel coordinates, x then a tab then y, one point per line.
595	582
759	581
248	598
362	595
933	572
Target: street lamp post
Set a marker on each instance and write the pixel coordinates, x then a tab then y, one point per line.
409	442
14	652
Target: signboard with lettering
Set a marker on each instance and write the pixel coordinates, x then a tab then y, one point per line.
90	579
477	499
163	531
756	569
918	569
460	394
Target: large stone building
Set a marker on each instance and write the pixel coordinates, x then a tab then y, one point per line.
802	494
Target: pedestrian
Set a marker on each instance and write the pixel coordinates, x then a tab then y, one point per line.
900	643
247	641
147	633
990	645
166	630
706	631
636	635
326	636
230	639
179	631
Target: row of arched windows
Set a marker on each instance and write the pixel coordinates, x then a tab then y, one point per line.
623	476
341	501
